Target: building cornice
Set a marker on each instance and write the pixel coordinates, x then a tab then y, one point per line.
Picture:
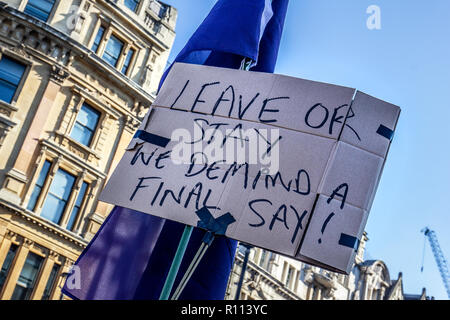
79	162
161	45
77	50
44	224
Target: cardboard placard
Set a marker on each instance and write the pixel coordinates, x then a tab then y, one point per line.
279	154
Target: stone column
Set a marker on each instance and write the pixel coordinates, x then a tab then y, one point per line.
99	132
365	285
22	5
382	292
104	41
4	247
316	294
3	230
15	270
17	177
122	56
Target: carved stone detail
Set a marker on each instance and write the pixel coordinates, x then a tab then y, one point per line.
10	234
59	74
27	243
131	123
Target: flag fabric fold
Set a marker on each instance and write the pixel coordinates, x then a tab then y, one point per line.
130	256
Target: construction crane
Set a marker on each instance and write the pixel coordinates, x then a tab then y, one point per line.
439	256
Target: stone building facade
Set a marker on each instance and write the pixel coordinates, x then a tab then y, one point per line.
76	78
270	276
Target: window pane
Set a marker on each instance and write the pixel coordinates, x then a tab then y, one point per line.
131	4
262	261
88	117
289	276
11	73
7	91
72	218
7	264
77	206
62	184
39	183
85	125
27	278
113	50
34	197
81	134
98	38
58	195
50	283
127	62
39	9
53	208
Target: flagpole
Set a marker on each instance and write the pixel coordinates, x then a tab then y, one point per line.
243	270
170	280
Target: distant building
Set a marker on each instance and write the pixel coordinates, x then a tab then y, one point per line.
272	276
76	78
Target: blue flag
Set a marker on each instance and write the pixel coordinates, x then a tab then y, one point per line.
130	256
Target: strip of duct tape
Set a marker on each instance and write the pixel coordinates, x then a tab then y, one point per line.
385	132
349	241
152	138
217	226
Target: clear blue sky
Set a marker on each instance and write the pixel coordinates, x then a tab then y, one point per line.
407	63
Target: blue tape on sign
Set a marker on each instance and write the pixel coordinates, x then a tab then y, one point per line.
217	226
385	132
152	138
207	220
349	241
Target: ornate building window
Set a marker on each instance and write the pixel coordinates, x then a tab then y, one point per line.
114	47
85	125
61	195
7	264
39	9
11	73
289	277
265	260
25	284
132	4
113	50
262	260
58	196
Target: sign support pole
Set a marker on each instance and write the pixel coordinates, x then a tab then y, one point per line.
206	243
167	288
